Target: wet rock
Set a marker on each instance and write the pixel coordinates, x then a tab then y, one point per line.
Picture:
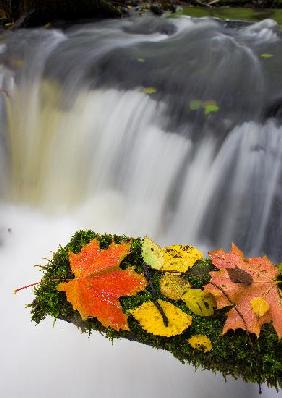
156	9
148	25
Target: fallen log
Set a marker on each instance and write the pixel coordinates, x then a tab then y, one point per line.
221	313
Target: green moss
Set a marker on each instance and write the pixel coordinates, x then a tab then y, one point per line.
233	13
238	354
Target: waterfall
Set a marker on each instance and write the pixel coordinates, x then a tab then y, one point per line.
163	127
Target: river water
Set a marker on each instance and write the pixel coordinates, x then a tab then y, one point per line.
169	128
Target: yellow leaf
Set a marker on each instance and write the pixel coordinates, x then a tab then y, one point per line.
152	321
180	258
259	306
171	258
199	302
200	342
173	286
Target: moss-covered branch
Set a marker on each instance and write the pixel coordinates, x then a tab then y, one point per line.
239	354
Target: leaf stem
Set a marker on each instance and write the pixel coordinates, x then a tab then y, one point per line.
153	290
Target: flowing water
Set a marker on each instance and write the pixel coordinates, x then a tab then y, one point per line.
170	128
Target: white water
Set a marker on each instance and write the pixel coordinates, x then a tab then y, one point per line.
48	362
73	157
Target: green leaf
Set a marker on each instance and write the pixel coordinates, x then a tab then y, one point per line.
150	90
195	104
266	55
210	107
152	253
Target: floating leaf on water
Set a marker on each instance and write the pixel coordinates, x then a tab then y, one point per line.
195	104
142	60
266	55
210	107
152	321
199	302
150	90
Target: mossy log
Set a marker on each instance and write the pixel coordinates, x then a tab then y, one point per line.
236	353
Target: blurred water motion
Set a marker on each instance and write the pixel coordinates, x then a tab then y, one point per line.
169	128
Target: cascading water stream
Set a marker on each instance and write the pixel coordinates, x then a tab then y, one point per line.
147	126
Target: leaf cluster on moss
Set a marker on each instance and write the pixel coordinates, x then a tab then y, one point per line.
238	354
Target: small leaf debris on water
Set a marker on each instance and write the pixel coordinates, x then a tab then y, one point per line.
266	55
195	105
150	90
142	60
209	106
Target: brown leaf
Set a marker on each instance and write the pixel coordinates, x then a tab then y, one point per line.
241	282
238	275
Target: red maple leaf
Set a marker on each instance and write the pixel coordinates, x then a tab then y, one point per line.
99	283
250	287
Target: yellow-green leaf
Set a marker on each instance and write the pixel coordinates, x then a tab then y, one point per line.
210	107
266	55
150	90
152	253
171	258
199	302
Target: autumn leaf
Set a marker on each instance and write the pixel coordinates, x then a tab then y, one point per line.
171	258
199	302
200	342
99	283
152	321
250	287
173	286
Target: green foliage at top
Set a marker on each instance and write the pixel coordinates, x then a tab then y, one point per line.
238	354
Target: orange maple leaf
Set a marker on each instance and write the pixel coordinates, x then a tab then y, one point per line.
99	283
250	286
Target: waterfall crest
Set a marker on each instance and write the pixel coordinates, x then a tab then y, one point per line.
147	127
